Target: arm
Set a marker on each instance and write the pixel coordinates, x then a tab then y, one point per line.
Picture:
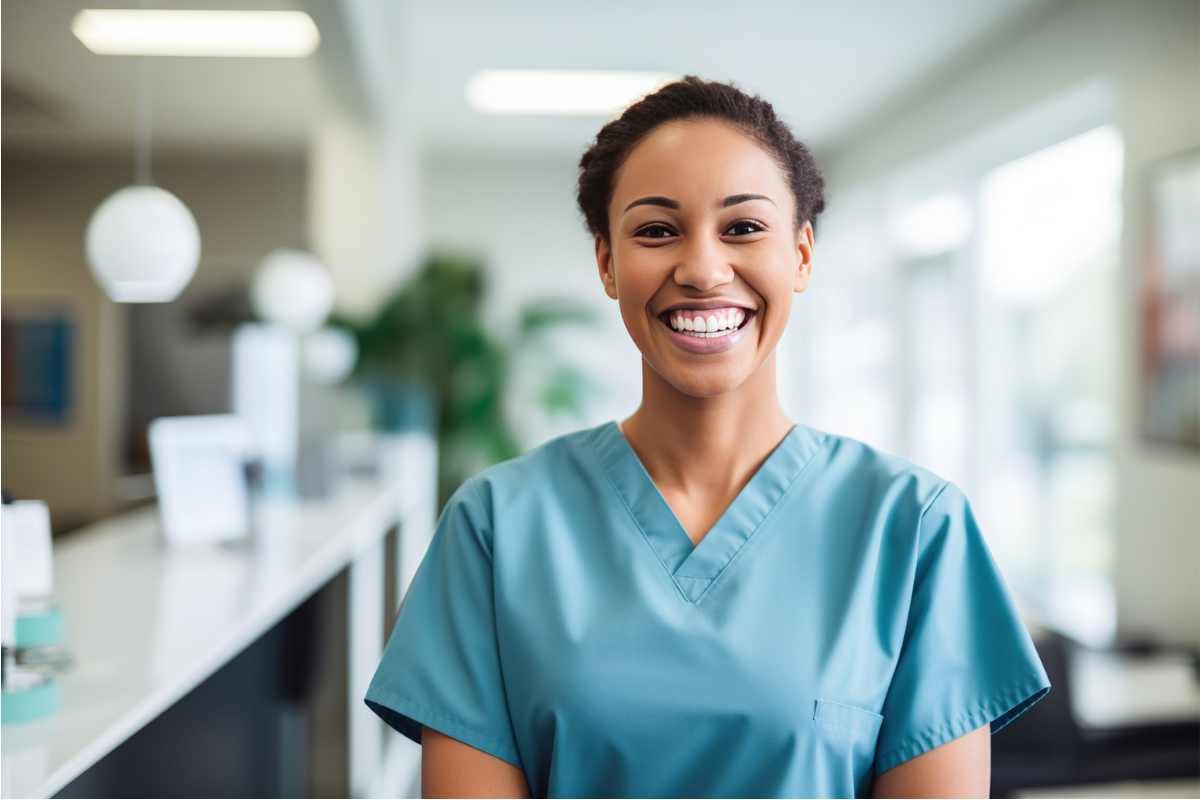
959	768
450	768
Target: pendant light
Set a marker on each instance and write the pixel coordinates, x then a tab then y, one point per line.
142	243
293	288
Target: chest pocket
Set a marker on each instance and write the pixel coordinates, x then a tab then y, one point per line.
847	721
846	737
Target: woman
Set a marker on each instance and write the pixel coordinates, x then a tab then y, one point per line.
705	599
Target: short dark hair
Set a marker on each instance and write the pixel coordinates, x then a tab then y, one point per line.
691	98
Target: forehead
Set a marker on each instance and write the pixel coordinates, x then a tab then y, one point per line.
696	159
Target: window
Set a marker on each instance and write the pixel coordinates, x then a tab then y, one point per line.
1049	230
972	327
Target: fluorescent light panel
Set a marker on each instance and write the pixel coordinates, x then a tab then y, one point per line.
261	34
583	92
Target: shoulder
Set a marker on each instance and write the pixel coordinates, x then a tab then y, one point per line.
541	473
933	511
874	472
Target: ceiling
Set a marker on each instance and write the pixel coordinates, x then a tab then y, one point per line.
824	66
829	68
58	95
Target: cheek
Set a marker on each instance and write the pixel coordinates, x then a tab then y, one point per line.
771	281
638	281
774	287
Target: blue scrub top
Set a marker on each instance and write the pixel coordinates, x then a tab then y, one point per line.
843	616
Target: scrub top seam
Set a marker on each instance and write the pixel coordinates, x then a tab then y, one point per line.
929	505
716	579
491	550
919	547
964	722
444	722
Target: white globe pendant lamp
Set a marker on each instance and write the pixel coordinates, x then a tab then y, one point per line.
293	288
142	243
329	355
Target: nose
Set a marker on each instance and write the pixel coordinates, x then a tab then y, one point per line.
703	265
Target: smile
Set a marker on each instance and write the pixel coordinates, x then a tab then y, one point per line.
711	330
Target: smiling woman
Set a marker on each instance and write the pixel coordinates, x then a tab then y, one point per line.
706	598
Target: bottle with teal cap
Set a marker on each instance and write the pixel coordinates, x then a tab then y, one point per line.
30	690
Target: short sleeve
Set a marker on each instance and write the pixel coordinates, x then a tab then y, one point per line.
441	665
966	658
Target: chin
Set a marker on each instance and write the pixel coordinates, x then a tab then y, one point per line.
696	384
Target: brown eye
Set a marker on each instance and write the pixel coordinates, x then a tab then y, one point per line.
754	226
643	231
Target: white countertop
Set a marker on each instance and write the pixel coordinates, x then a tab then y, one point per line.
146	623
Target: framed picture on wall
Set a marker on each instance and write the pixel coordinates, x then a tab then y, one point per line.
38	370
1170	312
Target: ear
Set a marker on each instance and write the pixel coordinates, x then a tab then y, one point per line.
804	248
605	265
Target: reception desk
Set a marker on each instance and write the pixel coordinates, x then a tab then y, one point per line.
147	623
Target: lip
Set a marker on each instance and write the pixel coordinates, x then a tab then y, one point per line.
720	344
705	305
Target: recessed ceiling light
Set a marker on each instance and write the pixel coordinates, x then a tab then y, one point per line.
132	32
547	91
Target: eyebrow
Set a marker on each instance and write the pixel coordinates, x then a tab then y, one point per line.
732	200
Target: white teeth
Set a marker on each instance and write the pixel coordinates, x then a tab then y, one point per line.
713	334
720	323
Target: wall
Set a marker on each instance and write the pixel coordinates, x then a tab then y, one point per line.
519	216
245	205
362	206
1149	54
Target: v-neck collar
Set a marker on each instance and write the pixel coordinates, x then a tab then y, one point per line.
694	567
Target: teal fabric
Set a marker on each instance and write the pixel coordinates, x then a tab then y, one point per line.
843	616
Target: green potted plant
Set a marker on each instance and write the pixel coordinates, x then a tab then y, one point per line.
428	361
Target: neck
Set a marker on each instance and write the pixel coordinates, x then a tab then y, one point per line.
703	445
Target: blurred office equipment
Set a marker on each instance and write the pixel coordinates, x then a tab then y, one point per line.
199	476
284	388
290	415
1115	716
265	394
217	671
327	356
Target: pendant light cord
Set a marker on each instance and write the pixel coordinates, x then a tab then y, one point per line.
144	120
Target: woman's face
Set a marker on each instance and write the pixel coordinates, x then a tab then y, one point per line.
702	237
